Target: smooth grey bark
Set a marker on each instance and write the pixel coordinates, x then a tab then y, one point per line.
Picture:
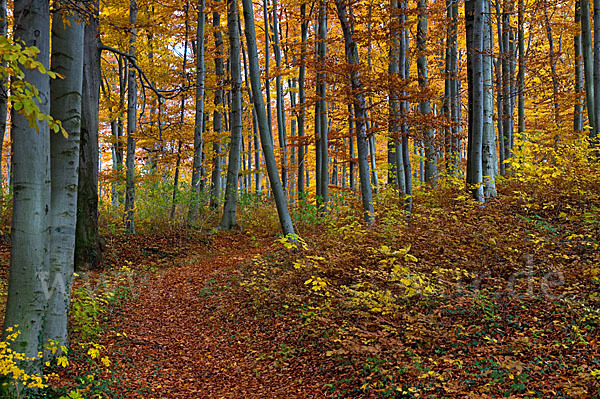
351	50
552	56
588	62
507	94
265	137
88	248
521	74
181	114
322	99
395	163
228	220
3	87
404	70
65	105
489	155
474	21
578	111
28	276
199	116
425	105
596	130
452	151
302	102
215	190
131	124
351	133
280	100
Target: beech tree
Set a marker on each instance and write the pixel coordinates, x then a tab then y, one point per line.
30	233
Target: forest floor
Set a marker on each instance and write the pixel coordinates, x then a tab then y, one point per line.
455	299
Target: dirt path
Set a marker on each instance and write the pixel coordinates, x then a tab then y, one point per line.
190	334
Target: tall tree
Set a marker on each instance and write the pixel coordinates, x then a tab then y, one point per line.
302	101
88	249
65	105
351	50
3	85
489	155
474	21
265	138
578	111
229	218
322	99
28	277
425	105
131	123
280	99
199	116
588	62
215	190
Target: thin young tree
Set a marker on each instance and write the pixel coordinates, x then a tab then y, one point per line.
131	124
199	116
351	50
265	137
228	220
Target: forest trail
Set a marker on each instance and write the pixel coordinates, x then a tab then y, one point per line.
186	335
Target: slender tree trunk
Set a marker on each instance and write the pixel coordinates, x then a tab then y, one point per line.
280	100
3	89
267	70
181	115
507	99
552	68
217	114
588	62
302	102
229	219
474	19
596	129
404	69
396	165
521	75
322	98
65	105
489	155
360	110
199	116
578	111
28	277
351	133
425	105
88	250
259	105
131	124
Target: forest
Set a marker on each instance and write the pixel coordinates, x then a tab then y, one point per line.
299	198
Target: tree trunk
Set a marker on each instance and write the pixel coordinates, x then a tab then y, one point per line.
474	20
265	138
199	116
131	124
181	114
3	88
489	157
88	249
217	114
578	111
588	62
396	165
28	277
65	105
322	98
351	50
280	100
596	129
302	103
425	105
521	75
229	219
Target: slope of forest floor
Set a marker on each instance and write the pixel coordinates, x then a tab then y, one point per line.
455	299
